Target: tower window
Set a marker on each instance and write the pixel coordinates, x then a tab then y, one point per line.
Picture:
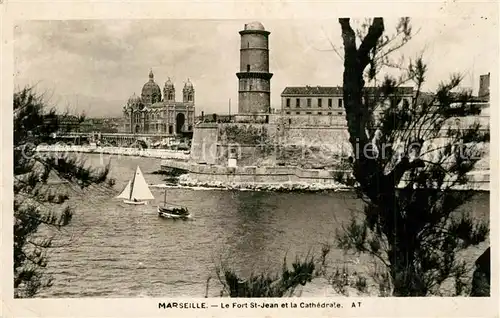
297	102
190	98
320	102
288	102
340	102
248	67
329	102
308	102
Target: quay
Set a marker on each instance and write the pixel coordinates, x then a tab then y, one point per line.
174	155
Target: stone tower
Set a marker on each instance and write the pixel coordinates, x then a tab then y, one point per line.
254	77
169	91
188	92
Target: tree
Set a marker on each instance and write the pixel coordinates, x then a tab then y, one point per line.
39	203
416	230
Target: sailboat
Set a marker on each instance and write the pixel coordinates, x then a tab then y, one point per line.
172	212
137	191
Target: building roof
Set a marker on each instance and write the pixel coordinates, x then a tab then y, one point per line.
331	90
169	84
255	25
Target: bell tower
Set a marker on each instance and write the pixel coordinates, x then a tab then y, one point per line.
254	93
169	91
188	92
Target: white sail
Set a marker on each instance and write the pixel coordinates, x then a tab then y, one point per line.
140	189
126	192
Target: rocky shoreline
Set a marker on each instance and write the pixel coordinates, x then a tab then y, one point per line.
185	181
333	186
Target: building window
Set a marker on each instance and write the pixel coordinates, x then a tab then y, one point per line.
320	113
190	127
308	102
329	102
248	67
170	129
329	113
288	113
308	113
298	113
340	102
288	102
297	102
320	102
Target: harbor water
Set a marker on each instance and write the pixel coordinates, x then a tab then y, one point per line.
111	249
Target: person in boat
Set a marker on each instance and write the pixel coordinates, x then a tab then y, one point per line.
135	200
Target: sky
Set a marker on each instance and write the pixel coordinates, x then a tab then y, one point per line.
94	66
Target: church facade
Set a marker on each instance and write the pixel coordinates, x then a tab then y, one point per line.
157	113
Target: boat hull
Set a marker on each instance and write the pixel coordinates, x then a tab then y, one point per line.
135	202
173	213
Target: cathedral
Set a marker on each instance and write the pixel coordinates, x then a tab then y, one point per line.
154	113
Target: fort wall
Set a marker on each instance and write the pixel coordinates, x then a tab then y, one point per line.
305	141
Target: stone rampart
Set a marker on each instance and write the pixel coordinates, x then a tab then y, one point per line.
276	178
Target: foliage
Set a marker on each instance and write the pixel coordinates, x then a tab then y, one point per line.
268	285
342	279
415	231
41	188
245	135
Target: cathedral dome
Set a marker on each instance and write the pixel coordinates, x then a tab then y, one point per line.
151	92
254	26
134	100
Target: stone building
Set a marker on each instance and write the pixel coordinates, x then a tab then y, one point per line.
323	100
154	113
